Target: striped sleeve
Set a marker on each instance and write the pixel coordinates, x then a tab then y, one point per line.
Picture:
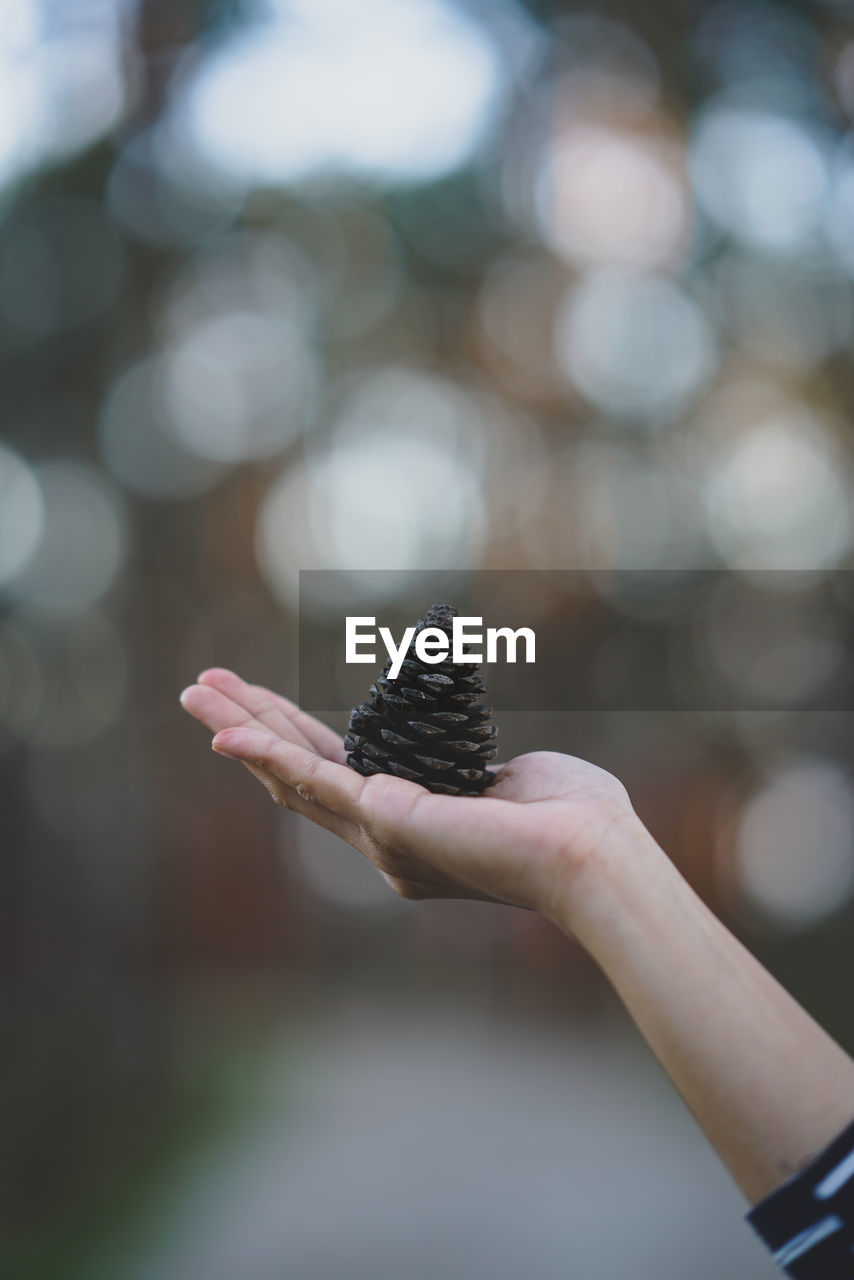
808	1222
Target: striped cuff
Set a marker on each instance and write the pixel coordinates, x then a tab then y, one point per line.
808	1222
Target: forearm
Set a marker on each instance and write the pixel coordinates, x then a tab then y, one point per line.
768	1086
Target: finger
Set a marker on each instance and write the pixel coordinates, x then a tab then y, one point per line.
218	711
289	799
398	871
399	821
272	709
300	800
322	737
414	884
315	779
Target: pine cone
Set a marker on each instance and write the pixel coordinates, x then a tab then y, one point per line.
426	725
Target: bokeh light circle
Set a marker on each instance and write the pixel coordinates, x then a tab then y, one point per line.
611	196
633	512
398	487
395	89
62	81
761	175
136	445
235	387
21	513
162	195
794	853
82	543
777	496
635	345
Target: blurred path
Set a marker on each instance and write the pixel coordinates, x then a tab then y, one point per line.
433	1146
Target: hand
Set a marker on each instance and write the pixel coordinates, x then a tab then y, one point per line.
524	842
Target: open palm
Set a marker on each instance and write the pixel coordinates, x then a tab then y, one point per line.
523	842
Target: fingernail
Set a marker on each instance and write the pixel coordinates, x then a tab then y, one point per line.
234	742
240	741
221	750
183	694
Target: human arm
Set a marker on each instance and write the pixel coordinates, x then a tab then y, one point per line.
768	1086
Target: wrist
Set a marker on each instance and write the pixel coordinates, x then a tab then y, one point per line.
617	875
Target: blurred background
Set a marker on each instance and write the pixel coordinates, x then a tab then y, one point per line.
401	284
